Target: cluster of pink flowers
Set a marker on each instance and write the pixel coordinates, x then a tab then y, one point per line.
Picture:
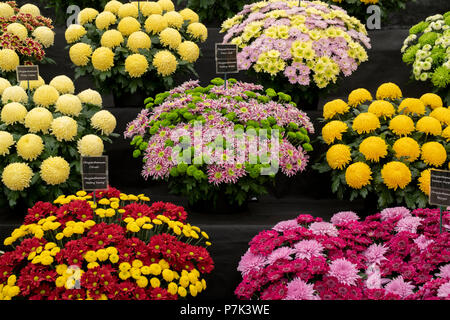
393	255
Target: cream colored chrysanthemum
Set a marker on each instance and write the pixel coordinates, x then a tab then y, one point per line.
90	96
80	54
128	25
30	146
103	59
69	105
87	15
104	121
17	176
13	112
63	84
3	85
14	94
45	36
30	9
90	146
155	23
38	120
34	84
74	33
198	31
166	5
18	30
55	170
150	7
9	60
189	51
104	20
6	142
6	11
128	10
165	63
174	19
170	37
189	15
64	128
113	6
45	96
136	65
139	40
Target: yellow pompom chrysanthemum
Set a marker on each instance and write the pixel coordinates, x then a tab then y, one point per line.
6	141
104	121
198	31
434	154
359	96
442	114
104	20
335	107
412	106
9	60
189	15
30	146
174	19
74	33
446	134
402	125
136	65
113	6
3	85
338	156
425	181
55	170
111	39
38	120
103	59
44	35
33	84
64	128
80	54
18	30
17	176
170	37
189	51
165	63
13	112
396	175
382	109
358	175
128	10
373	148
406	148
366	123
63	84
431	100
390	91
69	104
139	40
45	96
90	146
90	96
166	5
429	125
14	94
155	23
6	11
87	15
128	25
333	131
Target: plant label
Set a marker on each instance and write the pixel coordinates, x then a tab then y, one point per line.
27	73
94	173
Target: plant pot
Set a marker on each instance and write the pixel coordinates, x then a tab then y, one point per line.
129	100
222	207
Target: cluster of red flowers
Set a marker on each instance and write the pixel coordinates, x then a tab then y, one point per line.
27	48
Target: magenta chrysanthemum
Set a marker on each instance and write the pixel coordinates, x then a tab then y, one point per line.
396	212
344	217
400	287
324	228
300	290
345	271
307	249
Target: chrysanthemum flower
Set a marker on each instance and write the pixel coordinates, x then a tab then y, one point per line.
198	31
3	85
38	120
170	37
113	6
344	217
14	94
373	148
189	51
104	121
334	107
69	104
298	289
33	84
446	133
338	156
128	25
400	287
189	15
429	125
90	146
408	148
13	112
358	175
431	100
333	131
174	19
45	96
344	271
393	213
165	63
324	229
136	65
111	39
155	23
6	141
87	15
105	19
6	11
366	123
63	84
139	40
55	170
442	114
18	30
375	254
91	97
74	33
424	181
9	60
166	5
412	106
17	176
103	59
30	9
30	146
80	53
148	8
402	125
128	10
390	91
44	35
434	154
359	96
307	249
64	128
395	175
382	109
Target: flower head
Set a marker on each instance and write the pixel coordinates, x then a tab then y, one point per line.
395	175
87	15
412	106
13	112
44	35
149	8
14	94
344	217
38	120
6	11
128	25
105	19
111	39
45	96
103	59
359	96
382	109
166	5
55	170
250	261
389	91
128	10
300	290
189	15
139	40
333	131
34	84
402	125
429	125
431	100
444	272
90	96
307	249
18	30
434	154
373	148
63	84
358	175
198	31
6	141
74	33
113	6
3	85
136	65
155	23
366	123
17	176
30	146
444	290
174	19
400	287
425	181
324	228
189	51
69	105
165	63
64	128
104	121
334	107
407	148
408	224
339	156
344	271
375	254
170	37
30	9
90	146
9	60
396	212
80	54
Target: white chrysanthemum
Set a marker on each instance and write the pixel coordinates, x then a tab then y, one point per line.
64	128
13	112
6	11
104	121
18	30
90	146
69	104
14	94
30	146
38	120
90	96
63	84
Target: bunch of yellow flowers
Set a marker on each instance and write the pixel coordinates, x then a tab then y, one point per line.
89	247
386	145
131	44
43	134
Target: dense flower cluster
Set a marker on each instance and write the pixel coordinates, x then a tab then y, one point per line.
220	125
385	145
309	44
24	35
43	133
393	255
118	247
132	44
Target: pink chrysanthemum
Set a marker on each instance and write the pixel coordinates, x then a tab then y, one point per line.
286	225
396	212
375	254
280	253
300	290
444	272
344	217
345	271
400	286
443	291
422	242
250	261
307	249
408	224
324	229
